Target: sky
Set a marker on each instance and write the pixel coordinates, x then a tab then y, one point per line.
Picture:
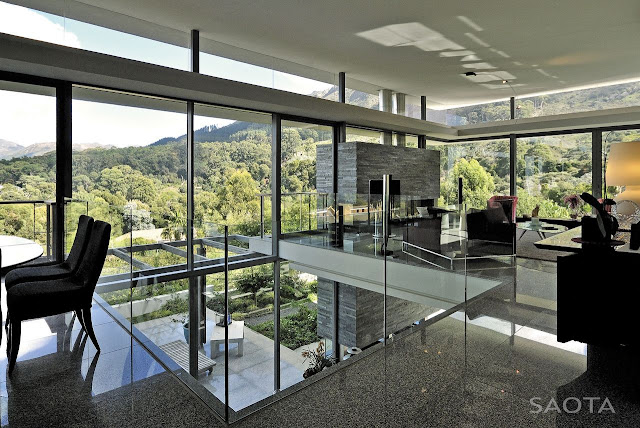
28	118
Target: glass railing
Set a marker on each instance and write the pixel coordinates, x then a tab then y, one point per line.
303	211
398	268
31	219
361	272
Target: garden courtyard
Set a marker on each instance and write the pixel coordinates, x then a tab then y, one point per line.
250	375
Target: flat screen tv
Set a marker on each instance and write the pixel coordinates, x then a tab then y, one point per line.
375	187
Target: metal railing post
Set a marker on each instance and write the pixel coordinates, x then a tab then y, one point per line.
300	227
386	183
34	221
309	195
261	216
227	319
48	231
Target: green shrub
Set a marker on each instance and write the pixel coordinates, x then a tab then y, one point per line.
265	299
174	306
296	330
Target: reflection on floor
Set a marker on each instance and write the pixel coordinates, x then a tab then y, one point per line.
482	372
60	381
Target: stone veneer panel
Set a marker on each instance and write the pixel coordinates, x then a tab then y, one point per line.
360	313
417	169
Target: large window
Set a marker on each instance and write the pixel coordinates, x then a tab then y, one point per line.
479	113
34	24
608	139
230	69
591	99
549	170
483	166
306	173
362	99
129	156
27	160
233	169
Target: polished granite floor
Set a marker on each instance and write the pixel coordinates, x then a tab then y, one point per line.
479	368
61	381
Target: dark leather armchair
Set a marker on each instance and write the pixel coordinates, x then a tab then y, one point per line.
29	300
55	270
490	225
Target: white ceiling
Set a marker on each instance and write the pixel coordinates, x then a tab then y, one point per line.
411	46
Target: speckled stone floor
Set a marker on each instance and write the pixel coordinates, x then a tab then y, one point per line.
481	368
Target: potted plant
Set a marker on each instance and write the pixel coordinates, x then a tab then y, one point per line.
184	320
574	203
318	360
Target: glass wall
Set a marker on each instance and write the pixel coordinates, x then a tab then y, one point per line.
484	167
233	169
363	135
34	24
130	151
551	169
609	138
226	68
362	99
590	99
479	113
27	161
306	173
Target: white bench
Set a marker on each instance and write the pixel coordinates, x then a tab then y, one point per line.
178	351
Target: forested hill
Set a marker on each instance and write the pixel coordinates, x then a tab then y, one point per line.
122	174
613	96
213	133
605	97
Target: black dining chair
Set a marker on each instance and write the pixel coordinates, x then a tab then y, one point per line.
37	299
55	270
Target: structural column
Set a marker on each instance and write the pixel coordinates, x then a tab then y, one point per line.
63	164
422	139
399	108
512	152
276	181
385	103
195	311
340	131
596	162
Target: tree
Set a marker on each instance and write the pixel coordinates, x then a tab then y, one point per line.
254	279
237	203
478	184
136	217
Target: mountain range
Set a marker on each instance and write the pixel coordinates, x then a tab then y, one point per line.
567	102
10	150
